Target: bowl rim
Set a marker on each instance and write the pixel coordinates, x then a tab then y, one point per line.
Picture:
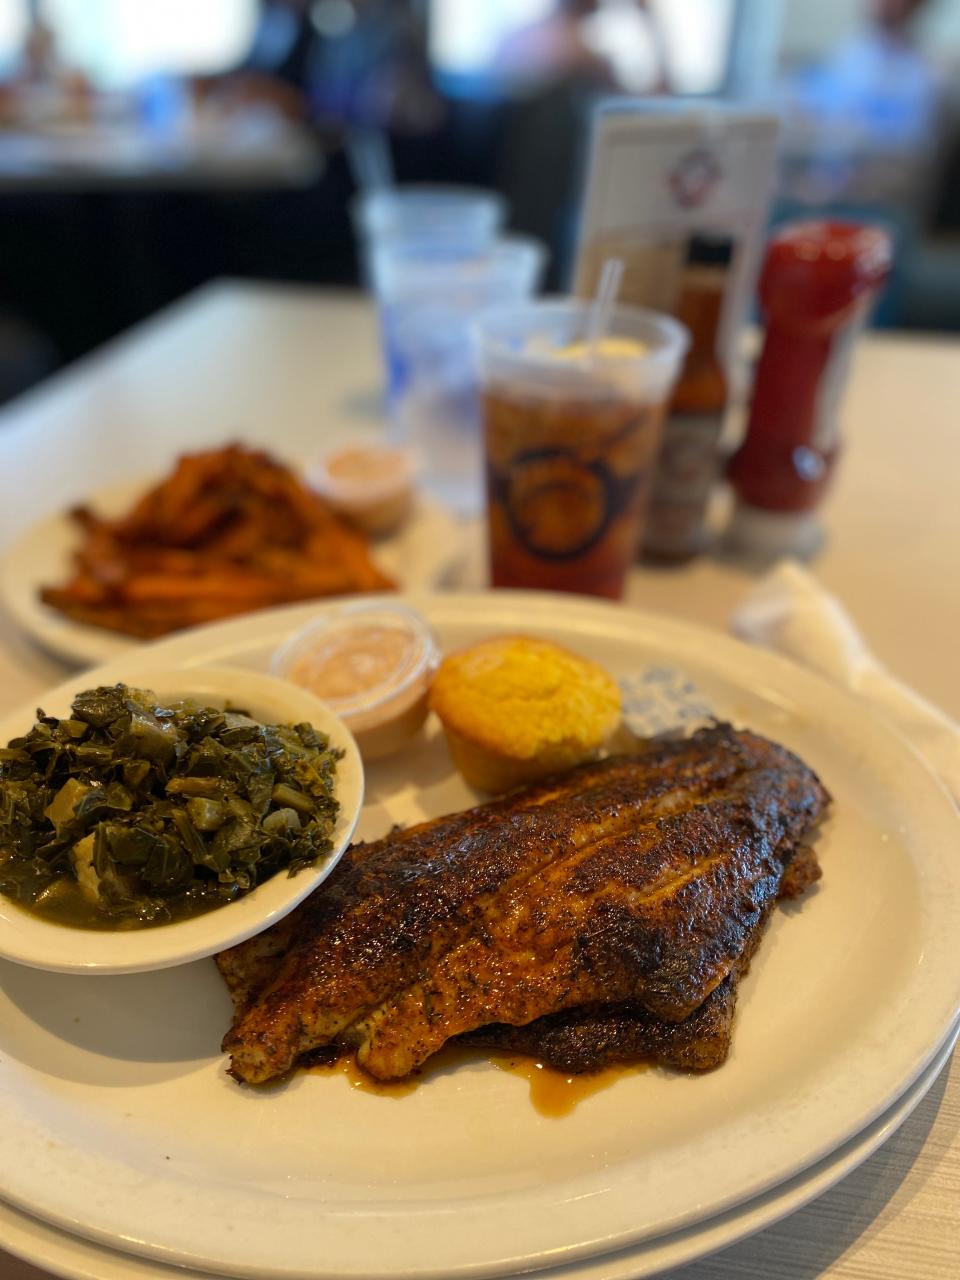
30	940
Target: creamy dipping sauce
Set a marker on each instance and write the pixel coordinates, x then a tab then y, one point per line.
371	485
354	661
371	466
373	664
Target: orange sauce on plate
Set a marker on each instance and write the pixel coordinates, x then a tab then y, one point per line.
552	1093
357	1078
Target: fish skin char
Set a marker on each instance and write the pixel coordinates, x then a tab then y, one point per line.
640	879
592	1037
383	915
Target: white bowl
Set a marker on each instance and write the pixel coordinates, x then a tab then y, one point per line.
29	939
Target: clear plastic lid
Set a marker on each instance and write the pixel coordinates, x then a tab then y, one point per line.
543	348
505	271
445	214
361	657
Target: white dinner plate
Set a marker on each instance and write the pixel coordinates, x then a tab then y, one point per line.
118	1123
76	1259
420	556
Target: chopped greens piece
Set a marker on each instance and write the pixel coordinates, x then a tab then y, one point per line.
130	813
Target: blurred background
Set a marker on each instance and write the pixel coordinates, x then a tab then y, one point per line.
146	148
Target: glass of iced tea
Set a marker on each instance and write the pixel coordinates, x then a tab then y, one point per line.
572	427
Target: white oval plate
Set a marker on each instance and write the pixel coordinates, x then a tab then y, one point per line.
31	940
420	556
76	1259
118	1123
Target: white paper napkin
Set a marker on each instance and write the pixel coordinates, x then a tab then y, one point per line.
788	611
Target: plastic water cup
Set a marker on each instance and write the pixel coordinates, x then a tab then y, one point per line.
571	434
429	297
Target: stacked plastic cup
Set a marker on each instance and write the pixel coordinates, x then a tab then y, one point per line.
436	259
460	217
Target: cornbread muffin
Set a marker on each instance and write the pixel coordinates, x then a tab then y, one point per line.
515	709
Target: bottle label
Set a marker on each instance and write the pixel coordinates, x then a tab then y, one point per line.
686	470
687	464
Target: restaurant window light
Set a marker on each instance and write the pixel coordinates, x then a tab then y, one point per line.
696	37
118	42
621	32
680	44
465	36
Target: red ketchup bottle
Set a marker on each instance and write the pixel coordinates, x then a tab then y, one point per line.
816	288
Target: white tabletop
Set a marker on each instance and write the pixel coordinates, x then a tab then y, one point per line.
286	367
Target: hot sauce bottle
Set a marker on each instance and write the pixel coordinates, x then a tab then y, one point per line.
688	464
816	288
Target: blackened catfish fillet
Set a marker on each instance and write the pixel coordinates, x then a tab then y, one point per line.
597	1036
641	879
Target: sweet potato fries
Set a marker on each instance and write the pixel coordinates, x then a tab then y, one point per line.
231	530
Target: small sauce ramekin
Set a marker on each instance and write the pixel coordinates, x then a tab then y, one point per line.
372	665
371	485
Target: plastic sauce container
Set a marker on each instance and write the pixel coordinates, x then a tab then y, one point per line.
372	665
371	485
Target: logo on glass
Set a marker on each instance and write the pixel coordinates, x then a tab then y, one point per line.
559	506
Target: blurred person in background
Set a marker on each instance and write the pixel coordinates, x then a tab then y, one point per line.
41	85
276	69
555	49
554	71
357	73
339	64
867	132
871	115
605	45
370	67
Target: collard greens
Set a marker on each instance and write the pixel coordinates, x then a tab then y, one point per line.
144	813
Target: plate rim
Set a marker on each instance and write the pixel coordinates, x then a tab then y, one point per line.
643	625
649	1260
